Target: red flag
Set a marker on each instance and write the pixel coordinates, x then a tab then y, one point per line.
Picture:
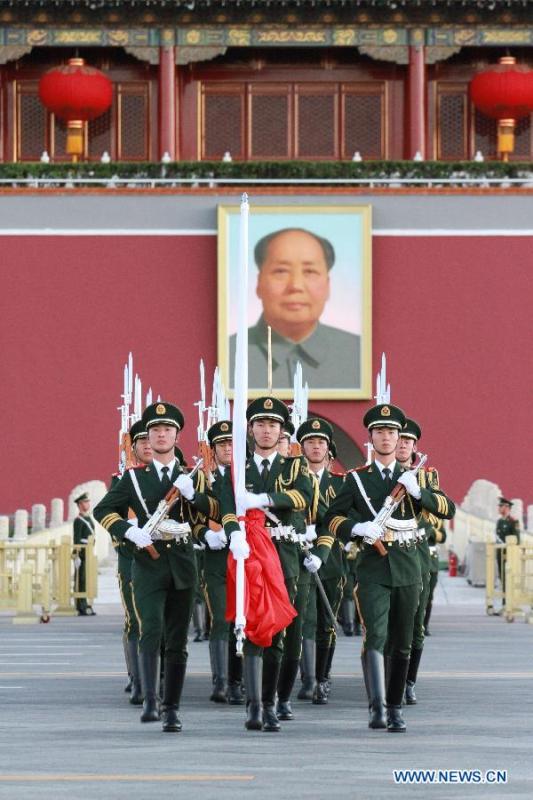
267	606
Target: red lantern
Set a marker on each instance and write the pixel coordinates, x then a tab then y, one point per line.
504	92
76	94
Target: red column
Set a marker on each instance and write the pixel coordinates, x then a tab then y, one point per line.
167	101
417	100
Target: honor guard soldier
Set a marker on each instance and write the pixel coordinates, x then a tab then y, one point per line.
216	551
435	535
282	485
506	526
315	437
406	455
143	455
164	568
389	579
83	528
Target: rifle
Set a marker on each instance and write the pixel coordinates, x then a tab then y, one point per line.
162	510
391	504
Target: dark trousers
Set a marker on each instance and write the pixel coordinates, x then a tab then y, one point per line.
388	615
325	630
215	597
131	623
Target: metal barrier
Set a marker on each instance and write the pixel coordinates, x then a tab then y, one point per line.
515	589
44	575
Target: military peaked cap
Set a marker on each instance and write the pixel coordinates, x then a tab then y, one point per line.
268	408
504	502
220	432
411	429
384	415
137	431
314	426
162	413
82	498
288	429
333	449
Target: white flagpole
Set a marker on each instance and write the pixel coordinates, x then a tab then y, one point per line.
239	410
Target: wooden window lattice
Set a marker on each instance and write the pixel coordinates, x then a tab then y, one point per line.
363	125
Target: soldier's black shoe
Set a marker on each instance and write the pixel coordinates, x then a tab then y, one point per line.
127	687
218	695
149	669
136	697
375	682
199	637
287	677
395	721
410	696
412	672
427	632
307	665
234	694
171	721
270	719
252	679
395	689
320	694
218	649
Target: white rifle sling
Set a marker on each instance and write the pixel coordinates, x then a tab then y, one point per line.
364	495
133	476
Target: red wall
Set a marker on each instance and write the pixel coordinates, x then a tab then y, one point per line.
453	315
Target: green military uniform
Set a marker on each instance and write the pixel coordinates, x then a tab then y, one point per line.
388	586
290	492
506	526
435	535
163	588
83	528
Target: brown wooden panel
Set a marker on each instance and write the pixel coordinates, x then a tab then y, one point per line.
222	123
31	123
452	122
317	123
364	120
269	121
133	125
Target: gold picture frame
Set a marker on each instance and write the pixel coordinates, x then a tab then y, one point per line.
315	290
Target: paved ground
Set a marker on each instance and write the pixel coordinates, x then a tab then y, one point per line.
67	729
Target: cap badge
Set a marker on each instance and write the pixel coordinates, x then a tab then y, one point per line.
385	411
160	409
224	427
315	425
268	404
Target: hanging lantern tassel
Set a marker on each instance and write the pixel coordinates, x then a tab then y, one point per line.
506	137
76	93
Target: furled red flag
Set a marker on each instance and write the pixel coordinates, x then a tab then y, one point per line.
267	606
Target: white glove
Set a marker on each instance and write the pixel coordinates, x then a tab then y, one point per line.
133	521
238	545
370	531
216	540
138	536
348	547
410	481
312	563
310	533
184	484
77	562
251	500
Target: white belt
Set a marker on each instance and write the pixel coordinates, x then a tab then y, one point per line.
433	549
169	529
286	533
402	537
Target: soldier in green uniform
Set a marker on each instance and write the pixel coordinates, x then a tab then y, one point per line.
435	535
388	585
506	526
83	528
163	587
223	658
143	455
406	455
315	436
284	486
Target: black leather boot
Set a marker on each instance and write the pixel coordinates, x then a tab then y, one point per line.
198	622
348	614
174	679
271	670
235	663
395	690
412	672
289	671
219	649
320	694
149	668
127	688
375	675
427	618
136	697
253	667
307	664
331	653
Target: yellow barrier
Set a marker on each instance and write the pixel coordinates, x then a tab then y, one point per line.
44	575
515	590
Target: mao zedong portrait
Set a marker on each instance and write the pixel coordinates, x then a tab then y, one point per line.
293	283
